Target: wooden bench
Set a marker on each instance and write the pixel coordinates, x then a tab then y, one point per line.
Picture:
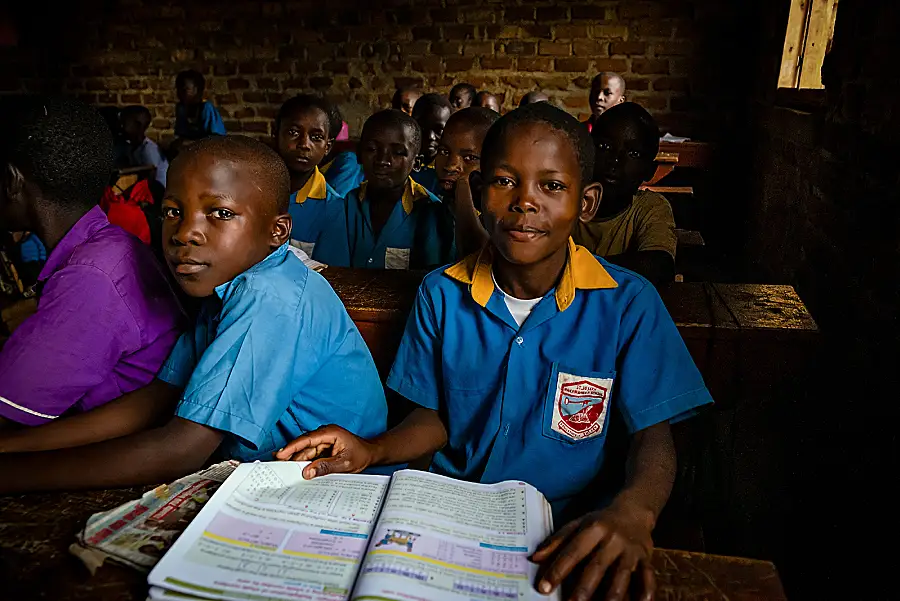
36	531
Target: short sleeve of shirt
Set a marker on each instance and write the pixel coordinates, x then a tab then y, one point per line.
212	120
655	225
416	373
656	377
242	381
180	364
333	246
71	344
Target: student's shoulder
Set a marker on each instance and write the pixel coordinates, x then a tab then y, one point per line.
648	201
286	285
632	290
114	252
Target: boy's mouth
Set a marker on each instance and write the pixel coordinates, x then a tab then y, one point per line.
448	183
521	233
188	266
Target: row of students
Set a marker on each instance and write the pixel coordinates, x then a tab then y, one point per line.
274	364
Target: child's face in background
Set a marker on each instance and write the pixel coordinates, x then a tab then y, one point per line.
188	92
532	194
134	127
459	154
408	101
606	92
387	155
303	139
488	101
432	124
460	99
623	162
218	221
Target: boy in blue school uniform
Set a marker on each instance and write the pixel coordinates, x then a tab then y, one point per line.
273	353
571	351
195	118
431	112
390	221
305	127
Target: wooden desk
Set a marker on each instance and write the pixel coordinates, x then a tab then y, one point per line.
690	154
36	531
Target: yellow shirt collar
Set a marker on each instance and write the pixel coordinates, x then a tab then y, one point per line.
582	271
314	188
412	192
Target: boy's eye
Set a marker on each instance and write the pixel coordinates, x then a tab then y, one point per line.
504	182
293	132
171	213
603	147
401	152
471	158
443	152
317	137
555	186
223	214
634	154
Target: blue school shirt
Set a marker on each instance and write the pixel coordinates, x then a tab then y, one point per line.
274	355
533	403
418	233
343	173
210	122
428	178
31	249
309	208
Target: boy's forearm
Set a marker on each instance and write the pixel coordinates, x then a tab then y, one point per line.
139	410
420	434
150	457
650	473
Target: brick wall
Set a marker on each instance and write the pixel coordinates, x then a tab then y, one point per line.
257	53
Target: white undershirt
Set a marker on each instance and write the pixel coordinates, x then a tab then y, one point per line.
518	308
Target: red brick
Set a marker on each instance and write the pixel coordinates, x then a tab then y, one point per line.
459	32
238	84
628	48
588	12
519	82
518	13
609	32
244	113
108	98
428	64
520	48
634	10
583	82
336	35
320	52
655	29
570	32
268	83
573	65
637	85
555	49
131	98
426	33
269	112
402	82
446	48
445	15
500	62
233	125
458	64
556	82
651	102
162	123
672	8
256	126
650	66
320	82
294	83
484	15
579	101
617	65
337	67
537	31
590	48
478	49
552	13
677	48
535	64
248	68
393	66
674	84
420	48
254	97
222	99
226	68
155	99
278	67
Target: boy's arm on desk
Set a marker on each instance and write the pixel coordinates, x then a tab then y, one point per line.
143	408
158	455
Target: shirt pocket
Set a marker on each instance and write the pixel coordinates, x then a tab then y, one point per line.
396	258
576	405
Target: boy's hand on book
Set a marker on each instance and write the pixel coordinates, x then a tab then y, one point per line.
338	452
613	542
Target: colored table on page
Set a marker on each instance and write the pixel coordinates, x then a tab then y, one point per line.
36	531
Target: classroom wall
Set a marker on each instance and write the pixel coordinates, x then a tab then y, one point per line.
256	53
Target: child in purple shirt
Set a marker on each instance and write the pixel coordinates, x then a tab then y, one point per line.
107	317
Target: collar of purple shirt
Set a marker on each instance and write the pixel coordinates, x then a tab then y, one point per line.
84	228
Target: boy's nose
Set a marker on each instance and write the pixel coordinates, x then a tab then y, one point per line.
188	232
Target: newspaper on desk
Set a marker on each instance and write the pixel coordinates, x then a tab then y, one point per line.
137	533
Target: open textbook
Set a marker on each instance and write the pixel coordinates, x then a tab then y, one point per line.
268	534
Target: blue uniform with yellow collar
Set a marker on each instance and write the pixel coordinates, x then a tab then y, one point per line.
274	355
309	209
427	177
535	402
343	173
418	234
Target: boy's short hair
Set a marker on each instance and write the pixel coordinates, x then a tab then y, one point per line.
533	98
395	118
133	111
464	87
558	119
311	101
646	124
400	91
61	144
194	76
269	166
476	117
427	101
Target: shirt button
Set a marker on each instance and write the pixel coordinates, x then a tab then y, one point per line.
519	340
371	260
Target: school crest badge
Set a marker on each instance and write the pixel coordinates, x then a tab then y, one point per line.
580	405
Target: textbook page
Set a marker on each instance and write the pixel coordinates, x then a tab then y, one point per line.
269	534
443	539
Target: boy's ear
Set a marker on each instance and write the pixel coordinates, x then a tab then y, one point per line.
590	201
13	182
419	163
281	230
328	146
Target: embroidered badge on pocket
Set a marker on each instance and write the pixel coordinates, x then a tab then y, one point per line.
396	258
580	405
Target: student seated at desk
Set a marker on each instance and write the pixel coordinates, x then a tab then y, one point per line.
607	91
305	128
273	353
390	221
431	113
195	118
633	228
138	148
106	317
570	352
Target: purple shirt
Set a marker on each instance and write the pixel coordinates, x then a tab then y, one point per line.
105	323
